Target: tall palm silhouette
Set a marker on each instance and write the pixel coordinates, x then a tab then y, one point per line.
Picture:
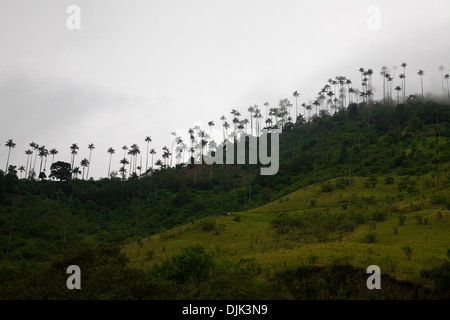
21	169
35	147
210	124
111	151
84	163
446	77
398	89
91	147
148	140
29	153
402	78
421	73
404	65
10	145
53	152
251	110
73	150
123	170
42	153
152	152
296	95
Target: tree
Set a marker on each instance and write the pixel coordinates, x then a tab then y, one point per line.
73	150
84	163
21	169
28	153
296	95
11	145
421	73
446	77
35	147
61	171
442	68
53	152
122	170
404	65
91	147
111	151
398	89
152	152
148	140
42	153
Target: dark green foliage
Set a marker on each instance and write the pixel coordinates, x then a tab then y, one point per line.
369	238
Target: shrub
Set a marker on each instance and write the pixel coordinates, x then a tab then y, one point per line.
313	203
401	219
327	187
419	219
149	254
237	218
408	251
208	225
389	180
369	238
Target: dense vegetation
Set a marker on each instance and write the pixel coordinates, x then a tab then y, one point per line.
406	147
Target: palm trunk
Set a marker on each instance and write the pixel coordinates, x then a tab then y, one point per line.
7	161
26	168
109	167
421	84
146	160
89	165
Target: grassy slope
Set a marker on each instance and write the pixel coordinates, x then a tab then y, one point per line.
254	236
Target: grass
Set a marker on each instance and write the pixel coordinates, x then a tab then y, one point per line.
255	237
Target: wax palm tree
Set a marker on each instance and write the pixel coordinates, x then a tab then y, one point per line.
159	163
251	110
296	95
91	147
148	140
210	124
123	170
76	171
84	164
21	169
124	148
111	151
73	149
53	152
446	77
402	78
152	152
10	145
404	65
35	147
28	153
421	73
42	153
398	89
266	104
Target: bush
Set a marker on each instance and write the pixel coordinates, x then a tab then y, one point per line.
149	254
389	180
369	238
237	218
327	187
207	225
401	219
419	219
408	251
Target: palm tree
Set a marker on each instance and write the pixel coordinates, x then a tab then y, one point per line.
251	110
402	78
91	147
11	145
152	152
124	148
123	170
28	153
266	104
42	153
421	73
21	169
446	77
53	152
404	65
74	147
398	89
296	95
76	171
210	124
84	163
111	151
148	140
35	146
383	72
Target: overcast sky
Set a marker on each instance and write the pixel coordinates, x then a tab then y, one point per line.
146	68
